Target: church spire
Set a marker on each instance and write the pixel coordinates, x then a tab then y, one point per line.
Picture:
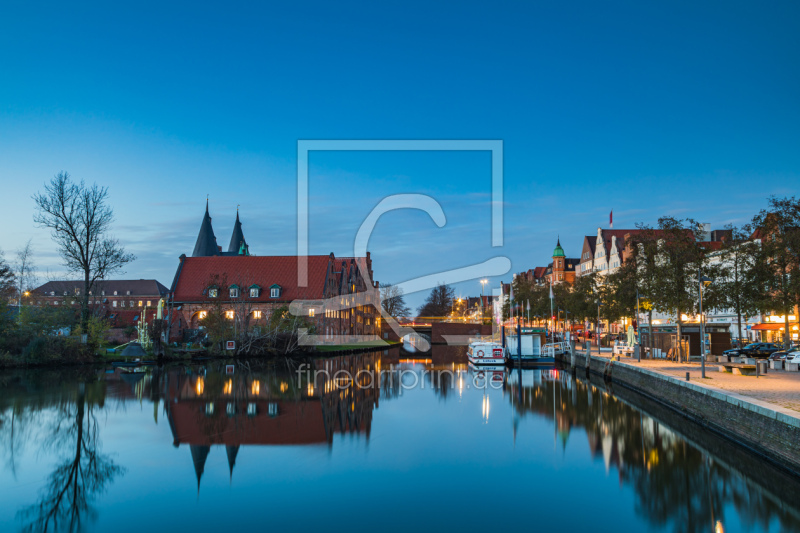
238	244
231	452
199	456
206	240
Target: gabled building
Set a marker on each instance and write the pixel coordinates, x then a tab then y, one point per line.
561	269
339	298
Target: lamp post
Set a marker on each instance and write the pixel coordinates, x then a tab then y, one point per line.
702	281
483	282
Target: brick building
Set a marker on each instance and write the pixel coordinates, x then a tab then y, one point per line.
561	270
339	297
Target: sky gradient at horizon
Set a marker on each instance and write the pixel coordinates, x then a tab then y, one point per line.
649	110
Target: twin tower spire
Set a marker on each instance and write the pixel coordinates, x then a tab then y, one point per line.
206	244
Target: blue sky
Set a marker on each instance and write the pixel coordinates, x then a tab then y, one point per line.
644	108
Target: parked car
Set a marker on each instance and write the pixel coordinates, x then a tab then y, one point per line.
780	355
757	350
793	357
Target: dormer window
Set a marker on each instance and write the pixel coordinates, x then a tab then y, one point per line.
213	292
255	291
233	292
275	291
115	293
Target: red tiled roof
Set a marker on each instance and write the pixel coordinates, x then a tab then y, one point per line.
196	274
539	272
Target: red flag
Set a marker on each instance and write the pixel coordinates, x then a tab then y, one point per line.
611	218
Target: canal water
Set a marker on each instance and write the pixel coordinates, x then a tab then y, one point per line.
386	441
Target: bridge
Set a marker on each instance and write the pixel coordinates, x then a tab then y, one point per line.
439	330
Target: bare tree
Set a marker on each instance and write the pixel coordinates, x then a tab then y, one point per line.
393	300
7	281
25	269
80	220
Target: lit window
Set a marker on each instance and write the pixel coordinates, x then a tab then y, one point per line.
256	314
212	293
203	314
148	303
140	303
229	314
311	312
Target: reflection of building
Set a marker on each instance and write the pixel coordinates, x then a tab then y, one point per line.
338	296
215	409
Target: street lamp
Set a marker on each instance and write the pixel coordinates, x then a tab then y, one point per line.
703	281
483	282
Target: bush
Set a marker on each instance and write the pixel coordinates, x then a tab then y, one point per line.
52	349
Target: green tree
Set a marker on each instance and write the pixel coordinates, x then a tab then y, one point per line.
439	302
673	260
738	284
778	266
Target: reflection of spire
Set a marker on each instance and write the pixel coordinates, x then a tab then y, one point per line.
199	456
231	452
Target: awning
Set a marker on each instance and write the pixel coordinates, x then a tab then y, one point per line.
773	326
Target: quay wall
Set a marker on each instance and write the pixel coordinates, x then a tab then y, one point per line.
768	431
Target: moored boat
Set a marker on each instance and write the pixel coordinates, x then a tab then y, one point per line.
482	352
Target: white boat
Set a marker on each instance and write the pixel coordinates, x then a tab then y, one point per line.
486	353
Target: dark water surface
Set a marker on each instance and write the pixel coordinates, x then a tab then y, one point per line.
429	445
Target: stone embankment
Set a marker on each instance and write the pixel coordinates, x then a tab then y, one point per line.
765	428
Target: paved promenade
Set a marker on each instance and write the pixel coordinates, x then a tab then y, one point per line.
777	387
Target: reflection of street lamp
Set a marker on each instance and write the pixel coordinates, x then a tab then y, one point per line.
703	281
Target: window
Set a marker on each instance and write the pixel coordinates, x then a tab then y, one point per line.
213	292
256	314
209	409
127	293
132	303
113	304
102	293
251	409
115	293
254	292
140	303
149	304
311	312
274	292
229	314
123	303
272	408
234	292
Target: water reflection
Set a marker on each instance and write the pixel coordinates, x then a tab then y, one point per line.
677	485
676	476
70	430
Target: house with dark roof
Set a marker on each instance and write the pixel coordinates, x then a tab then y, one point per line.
113	295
